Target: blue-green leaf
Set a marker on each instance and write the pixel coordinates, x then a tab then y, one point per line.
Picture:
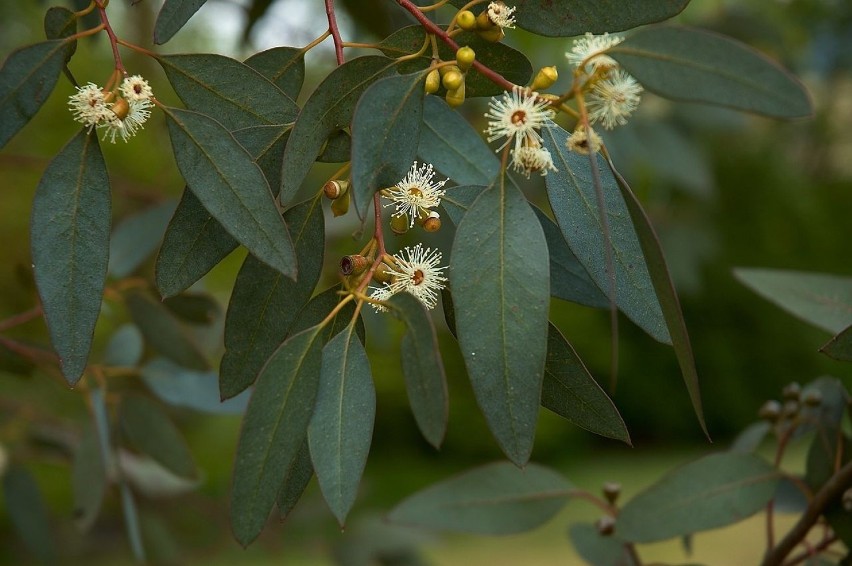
173	15
283	66
840	347
28	513
69	235
597	549
196	390
88	480
295	482
137	237
149	430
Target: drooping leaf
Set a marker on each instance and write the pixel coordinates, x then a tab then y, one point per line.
88	480
264	303
750	438
665	291
570	391
69	236
840	347
150	479
329	109
495	499
59	23
28	514
231	187
319	307
341	428
125	347
500	283
274	429
295	482
131	522
26	80
820	299
197	308
450	143
717	490
163	332
150	430
172	16
196	390
572	197
597	549
233	93
137	237
423	368
700	66
283	66
385	132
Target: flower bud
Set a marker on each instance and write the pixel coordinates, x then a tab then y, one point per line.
792	391
611	491
791	409
494	35
340	205
452	80
545	78
847	499
399	224
770	411
432	223
120	108
605	525
354	265
334	189
455	98
812	398
483	22
466	20
433	81
465	57
383	273
447	68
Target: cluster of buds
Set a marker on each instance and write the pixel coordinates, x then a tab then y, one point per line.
415	198
452	77
119	113
789	412
490	23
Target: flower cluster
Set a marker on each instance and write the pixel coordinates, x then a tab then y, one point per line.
116	114
416	194
501	15
416	271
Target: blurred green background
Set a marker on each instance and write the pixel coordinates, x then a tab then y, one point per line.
724	190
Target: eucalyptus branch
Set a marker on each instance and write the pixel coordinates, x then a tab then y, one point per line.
113	40
335	32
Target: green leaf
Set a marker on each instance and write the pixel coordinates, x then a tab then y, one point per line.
700	66
195	241
283	66
198	308
820	299
598	550
422	368
88	480
163	332
341	428
274	429
458	199
337	149
664	288
319	307
69	236
233	93
499	57
329	109
173	15
714	491
570	391
495	499
231	187
149	430
264	303
450	143
28	513
26	80
500	283
125	347
295	482
572	197
131	523
840	347
750	438
59	23
196	390
137	237
385	132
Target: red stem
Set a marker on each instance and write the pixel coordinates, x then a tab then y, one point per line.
335	32
21	318
113	40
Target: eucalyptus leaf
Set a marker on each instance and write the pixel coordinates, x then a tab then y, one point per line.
422	367
197	308
125	346
172	16
69	238
274	429
196	390
495	499
131	522
337	149
137	237
150	479
295	482
28	513
150	430
341	428
319	307
231	187
840	347
385	132
283	66
59	23
700	66
597	549
501	286
751	437
714	491
26	80
88	480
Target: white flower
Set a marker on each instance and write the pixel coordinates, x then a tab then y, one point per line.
416	193
136	88
613	99
381	294
578	141
517	115
501	15
529	159
418	273
135	113
89	106
588	51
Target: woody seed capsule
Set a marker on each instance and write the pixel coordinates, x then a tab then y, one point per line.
354	265
334	189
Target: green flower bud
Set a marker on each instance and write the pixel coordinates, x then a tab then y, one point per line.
483	22
455	98
340	205
452	80
770	411
433	81
494	34
399	224
465	57
466	20
545	78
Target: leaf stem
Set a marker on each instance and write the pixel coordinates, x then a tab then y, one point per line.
21	318
334	31
113	40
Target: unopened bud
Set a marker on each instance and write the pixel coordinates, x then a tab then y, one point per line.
812	398
432	223
611	491
382	274
452	80
340	205
494	34
354	265
792	391
120	108
455	98
334	189
605	525
791	409
770	411
447	68
433	81
847	499
465	57
545	78
466	20
399	224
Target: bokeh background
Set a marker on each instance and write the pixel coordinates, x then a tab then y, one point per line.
724	190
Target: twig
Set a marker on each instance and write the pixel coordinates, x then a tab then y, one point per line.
113	40
335	32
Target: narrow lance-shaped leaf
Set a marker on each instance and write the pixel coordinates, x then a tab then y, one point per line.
173	15
295	482
231	187
149	430
69	235
196	390
711	492
664	288
26	80
28	513
131	522
701	66
500	279
840	347
59	23
274	429
496	499
341	429
423	368
88	480
385	132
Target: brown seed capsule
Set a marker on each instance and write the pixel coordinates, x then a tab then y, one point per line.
812	398
605	525
334	189
792	391
466	20
432	223
611	491
770	411
353	265
452	80
399	224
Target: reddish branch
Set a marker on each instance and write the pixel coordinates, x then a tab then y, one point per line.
335	32
113	40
